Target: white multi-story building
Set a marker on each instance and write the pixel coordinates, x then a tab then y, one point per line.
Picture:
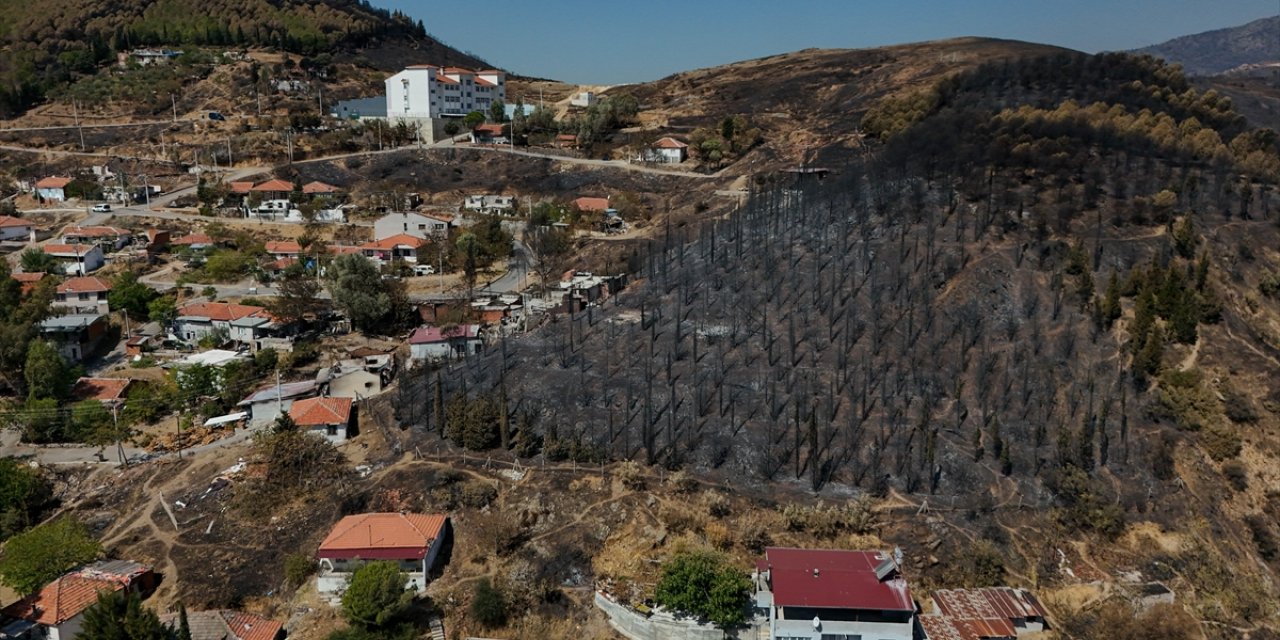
423	92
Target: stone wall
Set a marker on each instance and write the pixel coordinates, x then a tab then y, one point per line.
659	626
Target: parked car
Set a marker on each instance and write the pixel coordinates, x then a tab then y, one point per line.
214	115
101	208
423	270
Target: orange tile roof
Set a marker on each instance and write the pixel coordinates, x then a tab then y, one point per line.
194	238
241	187
10	221
61	600
100	389
391	242
281	264
445	79
319	412
319	187
68	249
274	185
225	624
283	246
29	277
670	143
366	533
591	204
247	626
53	182
221	311
84	285
494	129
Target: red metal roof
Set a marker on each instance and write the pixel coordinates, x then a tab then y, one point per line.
829	579
84	285
319	412
993	608
431	335
383	536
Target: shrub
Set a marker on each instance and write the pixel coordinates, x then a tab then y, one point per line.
631	475
297	568
980	564
754	537
1266	542
488	606
679	519
1236	474
1221	442
682	482
477	494
704	584
1237	406
376	594
718	505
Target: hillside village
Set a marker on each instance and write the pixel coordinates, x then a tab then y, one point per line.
348	335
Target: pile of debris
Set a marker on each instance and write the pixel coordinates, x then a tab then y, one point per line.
189	438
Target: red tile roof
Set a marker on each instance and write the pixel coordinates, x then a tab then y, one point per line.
828	579
241	187
29	280
100	389
283	246
431	335
84	285
319	412
68	249
398	240
226	625
389	535
591	204
53	182
670	143
281	264
274	185
194	238
61	600
319	187
247	626
10	221
221	311
491	129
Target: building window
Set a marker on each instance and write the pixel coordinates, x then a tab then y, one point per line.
331	429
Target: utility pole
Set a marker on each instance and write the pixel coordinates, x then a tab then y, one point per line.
115	430
75	109
174	101
288	136
146	191
230	162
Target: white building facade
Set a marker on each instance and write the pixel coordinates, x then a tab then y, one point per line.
424	92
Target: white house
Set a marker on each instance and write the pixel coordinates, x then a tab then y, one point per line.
583	99
434	343
53	188
56	612
413	540
77	259
76	334
669	151
814	594
331	418
12	228
398	247
83	294
195	321
425	92
501	205
269	402
411	224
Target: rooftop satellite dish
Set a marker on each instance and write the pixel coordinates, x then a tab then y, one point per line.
897	555
817	624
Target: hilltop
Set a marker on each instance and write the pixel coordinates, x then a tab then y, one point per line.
70	39
1222	50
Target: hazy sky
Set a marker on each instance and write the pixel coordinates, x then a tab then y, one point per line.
607	42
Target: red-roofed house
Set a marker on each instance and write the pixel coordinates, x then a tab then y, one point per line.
284	249
77	259
333	418
318	188
53	188
29	280
813	594
112	237
401	246
108	391
670	151
83	294
566	141
274	189
57	611
489	134
241	188
226	624
239	322
591	205
413	540
12	228
434	343
983	614
194	241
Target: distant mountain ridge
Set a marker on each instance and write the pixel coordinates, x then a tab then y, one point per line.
1222	50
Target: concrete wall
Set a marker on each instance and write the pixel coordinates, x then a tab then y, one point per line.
659	626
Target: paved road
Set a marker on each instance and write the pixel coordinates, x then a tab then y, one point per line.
517	272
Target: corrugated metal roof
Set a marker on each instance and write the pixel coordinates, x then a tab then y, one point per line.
831	579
